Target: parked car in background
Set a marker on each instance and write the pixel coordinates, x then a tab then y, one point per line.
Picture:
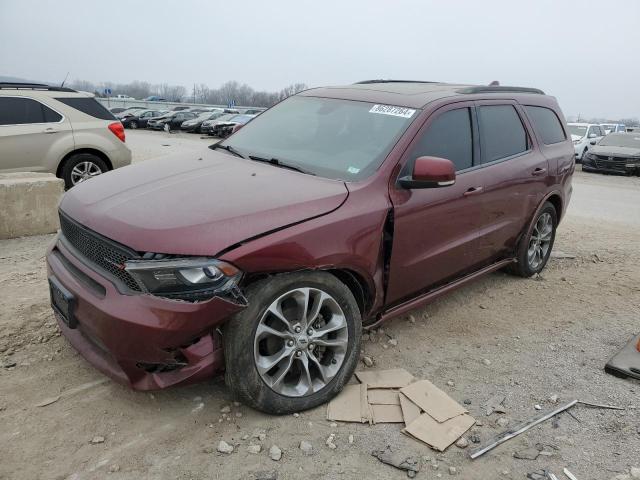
139	118
115	110
223	130
130	111
582	134
615	153
121	96
253	111
276	246
195	124
208	125
60	131
170	120
155	98
613	128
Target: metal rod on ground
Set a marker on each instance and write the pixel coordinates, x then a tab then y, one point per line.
523	427
597	405
570	475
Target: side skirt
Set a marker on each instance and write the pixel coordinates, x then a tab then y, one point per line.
433	294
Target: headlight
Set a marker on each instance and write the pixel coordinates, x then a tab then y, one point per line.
186	278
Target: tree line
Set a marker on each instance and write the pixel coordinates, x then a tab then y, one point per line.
241	94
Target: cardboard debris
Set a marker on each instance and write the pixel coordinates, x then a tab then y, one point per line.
433	400
381	396
387	414
395	378
410	411
346	406
439	435
429	414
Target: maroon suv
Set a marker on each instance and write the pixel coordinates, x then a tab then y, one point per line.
341	207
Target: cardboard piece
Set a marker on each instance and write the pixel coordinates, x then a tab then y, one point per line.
387	414
381	396
433	400
410	411
346	407
366	415
439	435
395	378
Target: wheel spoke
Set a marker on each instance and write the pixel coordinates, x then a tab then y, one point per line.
276	310
305	377
318	302
324	376
264	330
265	364
337	322
337	342
302	299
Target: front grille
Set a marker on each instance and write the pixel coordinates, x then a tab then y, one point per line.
611	163
100	251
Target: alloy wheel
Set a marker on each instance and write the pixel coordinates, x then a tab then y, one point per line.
83	171
301	342
133	125
540	241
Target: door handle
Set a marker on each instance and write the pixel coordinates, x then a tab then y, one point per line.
473	191
539	171
50	130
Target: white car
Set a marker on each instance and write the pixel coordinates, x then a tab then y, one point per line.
613	128
582	134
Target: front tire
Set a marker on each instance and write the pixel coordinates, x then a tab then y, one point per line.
296	344
133	125
535	247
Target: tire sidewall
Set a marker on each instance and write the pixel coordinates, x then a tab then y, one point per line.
523	258
239	334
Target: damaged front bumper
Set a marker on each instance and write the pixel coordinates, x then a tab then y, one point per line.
140	340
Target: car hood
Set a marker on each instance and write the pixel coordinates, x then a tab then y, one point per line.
615	151
576	137
198	204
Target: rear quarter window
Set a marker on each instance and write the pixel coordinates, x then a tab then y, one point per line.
546	123
89	106
502	134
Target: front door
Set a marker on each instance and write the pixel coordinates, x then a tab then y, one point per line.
435	229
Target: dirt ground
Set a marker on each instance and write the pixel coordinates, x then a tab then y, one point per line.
525	339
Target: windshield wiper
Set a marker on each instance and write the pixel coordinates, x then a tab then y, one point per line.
228	148
279	163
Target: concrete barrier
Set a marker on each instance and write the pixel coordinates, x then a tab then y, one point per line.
29	203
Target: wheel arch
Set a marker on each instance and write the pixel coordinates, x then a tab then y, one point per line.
91	151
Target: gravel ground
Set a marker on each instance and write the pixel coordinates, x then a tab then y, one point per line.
525	339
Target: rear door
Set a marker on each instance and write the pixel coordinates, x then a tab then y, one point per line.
514	174
32	135
435	229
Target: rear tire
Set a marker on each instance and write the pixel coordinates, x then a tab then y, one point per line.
535	247
133	125
289	372
81	167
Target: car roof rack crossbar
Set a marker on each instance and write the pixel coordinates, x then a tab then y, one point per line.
500	89
366	82
34	86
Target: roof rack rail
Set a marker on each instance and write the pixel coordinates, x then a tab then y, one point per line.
500	89
365	82
33	86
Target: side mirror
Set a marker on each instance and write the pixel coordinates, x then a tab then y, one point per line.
592	142
592	135
430	172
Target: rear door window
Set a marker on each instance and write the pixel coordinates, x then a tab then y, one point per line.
502	134
449	136
546	123
89	106
21	111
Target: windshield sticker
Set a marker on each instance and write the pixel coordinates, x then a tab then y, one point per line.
391	110
353	170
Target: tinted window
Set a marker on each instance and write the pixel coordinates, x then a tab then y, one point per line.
20	111
547	124
501	132
90	106
448	136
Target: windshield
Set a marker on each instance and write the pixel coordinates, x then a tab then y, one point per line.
578	130
338	139
204	116
620	140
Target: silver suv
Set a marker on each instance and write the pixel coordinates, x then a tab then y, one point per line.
58	130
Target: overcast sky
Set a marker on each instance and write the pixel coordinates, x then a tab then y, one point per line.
586	53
